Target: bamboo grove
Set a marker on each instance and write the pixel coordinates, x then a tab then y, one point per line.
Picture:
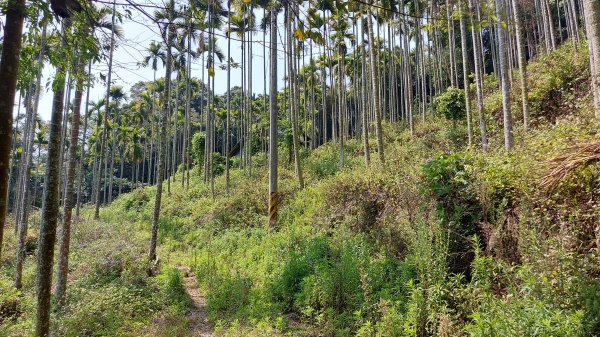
332	71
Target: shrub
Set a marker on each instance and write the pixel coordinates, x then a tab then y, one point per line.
591	301
198	143
451	104
10	302
229	297
136	200
108	310
449	180
323	166
524	317
218	164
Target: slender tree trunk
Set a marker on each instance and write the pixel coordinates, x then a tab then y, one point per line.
23	192
342	104
81	174
592	19
250	95
365	122
99	181
408	78
186	131
294	107
9	67
465	66
20	186
111	171
152	258
548	13
324	98
375	84
273	195
173	156
212	118
63	139
522	64
228	102
65	237
508	133
27	154
50	208
11	155
121	167
475	36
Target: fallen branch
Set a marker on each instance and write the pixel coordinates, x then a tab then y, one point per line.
578	156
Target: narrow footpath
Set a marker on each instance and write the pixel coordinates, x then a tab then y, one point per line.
198	317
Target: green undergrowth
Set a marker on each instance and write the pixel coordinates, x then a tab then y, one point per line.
440	240
108	292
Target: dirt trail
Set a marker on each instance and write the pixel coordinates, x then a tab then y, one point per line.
198	317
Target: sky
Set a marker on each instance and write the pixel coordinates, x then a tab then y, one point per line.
139	32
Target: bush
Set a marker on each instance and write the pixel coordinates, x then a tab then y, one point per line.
218	164
198	143
229	296
591	300
10	302
524	317
326	165
136	200
451	104
449	180
107	311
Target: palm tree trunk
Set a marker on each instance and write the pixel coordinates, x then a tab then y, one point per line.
451	49
273	196
9	67
186	131
522	64
228	100
152	259
121	164
65	237
465	66
81	179
112	165
50	208
27	154
22	169
293	98
63	139
341	75
23	190
592	20
365	122
408	78
475	36
375	84
99	185
508	133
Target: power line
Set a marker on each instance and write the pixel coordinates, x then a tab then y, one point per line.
158	22
391	10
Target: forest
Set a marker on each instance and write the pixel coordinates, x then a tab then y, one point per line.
368	168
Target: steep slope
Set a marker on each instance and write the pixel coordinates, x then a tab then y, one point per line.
441	240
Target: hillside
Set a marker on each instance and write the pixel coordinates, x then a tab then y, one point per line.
441	240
